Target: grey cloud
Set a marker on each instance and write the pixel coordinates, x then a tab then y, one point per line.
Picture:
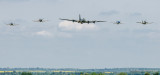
13	0
27	0
109	13
136	14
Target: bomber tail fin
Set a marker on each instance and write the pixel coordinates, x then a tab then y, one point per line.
79	17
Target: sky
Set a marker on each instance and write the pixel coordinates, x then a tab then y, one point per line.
63	44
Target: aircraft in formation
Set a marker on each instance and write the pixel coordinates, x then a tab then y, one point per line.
40	20
117	22
145	22
81	21
11	24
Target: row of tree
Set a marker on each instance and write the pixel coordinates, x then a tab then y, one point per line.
79	73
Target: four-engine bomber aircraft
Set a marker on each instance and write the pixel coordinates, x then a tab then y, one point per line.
40	20
81	21
145	22
11	24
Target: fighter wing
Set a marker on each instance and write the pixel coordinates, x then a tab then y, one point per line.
150	23
69	20
100	21
12	25
44	20
16	24
94	21
40	21
118	23
35	20
138	22
9	24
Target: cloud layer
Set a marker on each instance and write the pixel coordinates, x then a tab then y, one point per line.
44	33
66	25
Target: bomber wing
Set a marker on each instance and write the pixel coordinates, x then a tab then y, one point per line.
95	21
69	20
101	21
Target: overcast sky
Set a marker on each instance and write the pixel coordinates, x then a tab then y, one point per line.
62	44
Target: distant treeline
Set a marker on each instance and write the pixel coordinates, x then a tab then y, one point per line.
82	70
82	73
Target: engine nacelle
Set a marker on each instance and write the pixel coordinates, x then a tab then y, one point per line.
88	22
94	21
